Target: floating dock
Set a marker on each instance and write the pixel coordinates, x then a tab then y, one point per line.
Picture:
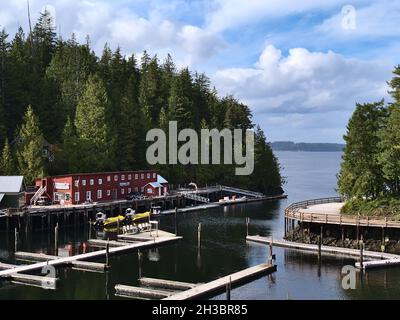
219	285
59	261
382	259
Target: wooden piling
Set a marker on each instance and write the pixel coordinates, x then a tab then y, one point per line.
139	263
319	248
107	253
199	236
228	289
176	225
247	226
56	240
16	239
362	256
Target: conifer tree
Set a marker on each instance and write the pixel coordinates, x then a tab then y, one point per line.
31	162
7	164
94	137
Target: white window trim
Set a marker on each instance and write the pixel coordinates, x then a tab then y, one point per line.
77	197
99	194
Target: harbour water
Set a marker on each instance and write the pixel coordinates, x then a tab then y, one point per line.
224	250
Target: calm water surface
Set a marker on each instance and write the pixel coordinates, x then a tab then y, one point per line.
224	251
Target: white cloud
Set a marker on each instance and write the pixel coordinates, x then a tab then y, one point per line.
379	18
119	25
304	85
234	13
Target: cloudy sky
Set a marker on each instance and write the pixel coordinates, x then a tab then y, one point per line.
299	65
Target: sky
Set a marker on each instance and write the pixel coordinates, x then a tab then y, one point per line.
300	66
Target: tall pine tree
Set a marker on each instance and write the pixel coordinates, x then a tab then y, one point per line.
31	162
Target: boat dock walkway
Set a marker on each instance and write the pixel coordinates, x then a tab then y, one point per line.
59	261
380	258
219	285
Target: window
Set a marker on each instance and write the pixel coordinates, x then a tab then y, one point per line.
108	178
136	189
76	183
136	176
154	175
84	182
99	194
92	182
142	176
129	190
149	191
122	191
123	177
100	182
148	175
116	177
67	197
129	177
76	196
88	195
142	189
108	193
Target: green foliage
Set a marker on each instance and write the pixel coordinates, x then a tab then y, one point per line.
96	112
7	164
360	174
93	134
382	207
31	163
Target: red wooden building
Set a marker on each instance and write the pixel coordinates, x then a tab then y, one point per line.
99	187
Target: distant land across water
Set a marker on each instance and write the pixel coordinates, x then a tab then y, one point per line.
303	146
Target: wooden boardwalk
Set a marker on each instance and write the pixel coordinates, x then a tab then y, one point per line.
303	212
213	287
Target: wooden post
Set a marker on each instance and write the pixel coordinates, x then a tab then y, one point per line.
199	236
270	257
140	263
16	239
176	225
247	226
362	256
319	248
118	225
342	235
228	289
56	240
90	229
107	252
322	234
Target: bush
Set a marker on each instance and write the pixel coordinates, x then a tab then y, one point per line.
381	207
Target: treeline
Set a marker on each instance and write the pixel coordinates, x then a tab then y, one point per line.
370	171
92	113
305	146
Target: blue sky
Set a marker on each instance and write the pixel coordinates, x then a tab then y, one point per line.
300	65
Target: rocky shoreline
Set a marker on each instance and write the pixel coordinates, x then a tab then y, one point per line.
390	245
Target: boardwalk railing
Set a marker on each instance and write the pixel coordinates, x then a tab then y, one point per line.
294	212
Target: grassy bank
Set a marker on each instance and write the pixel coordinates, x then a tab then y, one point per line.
381	207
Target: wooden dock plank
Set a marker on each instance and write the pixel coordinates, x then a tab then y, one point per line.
5	266
324	249
93	255
103	243
140	292
209	288
166	284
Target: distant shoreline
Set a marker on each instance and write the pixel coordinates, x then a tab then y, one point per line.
307	147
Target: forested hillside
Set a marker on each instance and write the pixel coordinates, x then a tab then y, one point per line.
92	113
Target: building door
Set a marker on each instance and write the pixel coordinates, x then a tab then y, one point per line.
115	194
88	195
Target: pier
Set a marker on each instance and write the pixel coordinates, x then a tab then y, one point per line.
186	200
75	261
219	285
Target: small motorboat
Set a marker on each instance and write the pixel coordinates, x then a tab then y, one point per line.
103	222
